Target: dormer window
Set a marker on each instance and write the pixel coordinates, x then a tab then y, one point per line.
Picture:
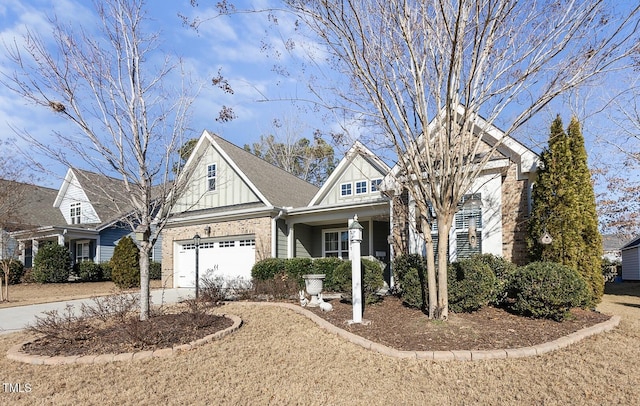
211	177
75	211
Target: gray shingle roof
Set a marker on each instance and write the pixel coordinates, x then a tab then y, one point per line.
281	188
107	195
35	206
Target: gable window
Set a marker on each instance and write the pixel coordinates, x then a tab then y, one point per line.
336	244
82	251
346	189
375	185
211	177
75	211
361	187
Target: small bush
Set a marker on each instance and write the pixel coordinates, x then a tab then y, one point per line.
268	268
471	285
296	267
372	279
106	271
88	271
52	264
281	286
27	277
155	270
503	271
326	266
16	271
410	273
546	290
125	266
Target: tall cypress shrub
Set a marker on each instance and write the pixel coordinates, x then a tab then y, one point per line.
564	208
125	266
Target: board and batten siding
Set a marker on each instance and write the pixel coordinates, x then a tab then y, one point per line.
358	170
230	187
75	194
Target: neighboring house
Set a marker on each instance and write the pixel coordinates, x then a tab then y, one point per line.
612	247
86	215
631	260
245	209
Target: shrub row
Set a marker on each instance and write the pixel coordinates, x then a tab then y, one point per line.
16	270
337	273
539	289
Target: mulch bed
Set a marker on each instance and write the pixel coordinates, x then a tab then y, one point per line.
161	331
404	328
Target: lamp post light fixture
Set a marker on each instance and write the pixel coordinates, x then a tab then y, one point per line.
196	242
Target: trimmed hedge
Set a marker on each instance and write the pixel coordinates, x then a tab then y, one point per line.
326	266
125	265
296	267
88	271
471	285
267	268
16	270
546	290
503	271
372	279
410	273
52	264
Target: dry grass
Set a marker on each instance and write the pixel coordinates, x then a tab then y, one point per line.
34	293
279	357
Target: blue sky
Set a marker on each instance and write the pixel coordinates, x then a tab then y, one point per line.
232	45
236	46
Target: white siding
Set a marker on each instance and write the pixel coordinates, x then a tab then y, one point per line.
230	187
360	169
75	194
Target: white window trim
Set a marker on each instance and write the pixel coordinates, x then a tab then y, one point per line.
377	186
366	185
340	251
80	258
73	208
351	189
214	178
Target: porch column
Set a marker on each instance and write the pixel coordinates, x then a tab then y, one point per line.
291	240
21	254
34	248
61	239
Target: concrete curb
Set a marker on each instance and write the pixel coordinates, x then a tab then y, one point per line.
456	355
15	353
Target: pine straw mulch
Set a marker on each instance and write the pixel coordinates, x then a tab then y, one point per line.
391	324
489	328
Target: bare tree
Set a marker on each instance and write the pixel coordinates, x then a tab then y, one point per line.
111	87
424	72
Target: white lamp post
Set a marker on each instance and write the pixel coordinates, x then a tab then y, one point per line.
196	242
355	238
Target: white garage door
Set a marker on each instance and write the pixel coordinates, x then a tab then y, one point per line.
230	259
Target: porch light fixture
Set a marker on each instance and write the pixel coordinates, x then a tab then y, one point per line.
207	231
196	242
472	203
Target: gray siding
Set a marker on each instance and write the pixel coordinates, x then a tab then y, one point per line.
281	239
631	264
304	241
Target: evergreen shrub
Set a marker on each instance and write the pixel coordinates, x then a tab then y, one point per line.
503	271
410	273
88	271
326	266
471	285
125	265
52	264
546	290
155	270
16	270
372	279
267	268
296	267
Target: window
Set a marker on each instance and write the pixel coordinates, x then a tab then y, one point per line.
346	189
82	251
226	244
336	244
361	187
247	243
211	177
75	213
375	185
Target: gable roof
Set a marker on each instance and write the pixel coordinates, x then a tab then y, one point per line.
356	149
273	185
35	208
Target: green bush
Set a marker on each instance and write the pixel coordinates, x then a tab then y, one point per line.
125	266
503	271
410	273
296	267
372	279
106	271
546	290
88	271
155	270
268	268
471	285
16	270
327	266
52	264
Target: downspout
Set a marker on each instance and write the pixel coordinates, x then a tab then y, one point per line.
274	234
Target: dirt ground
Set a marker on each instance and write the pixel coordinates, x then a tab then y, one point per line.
279	357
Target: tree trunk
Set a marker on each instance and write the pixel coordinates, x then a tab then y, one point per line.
145	249
432	294
444	225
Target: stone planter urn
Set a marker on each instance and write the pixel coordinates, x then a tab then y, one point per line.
313	283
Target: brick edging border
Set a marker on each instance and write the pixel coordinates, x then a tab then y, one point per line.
463	355
15	353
